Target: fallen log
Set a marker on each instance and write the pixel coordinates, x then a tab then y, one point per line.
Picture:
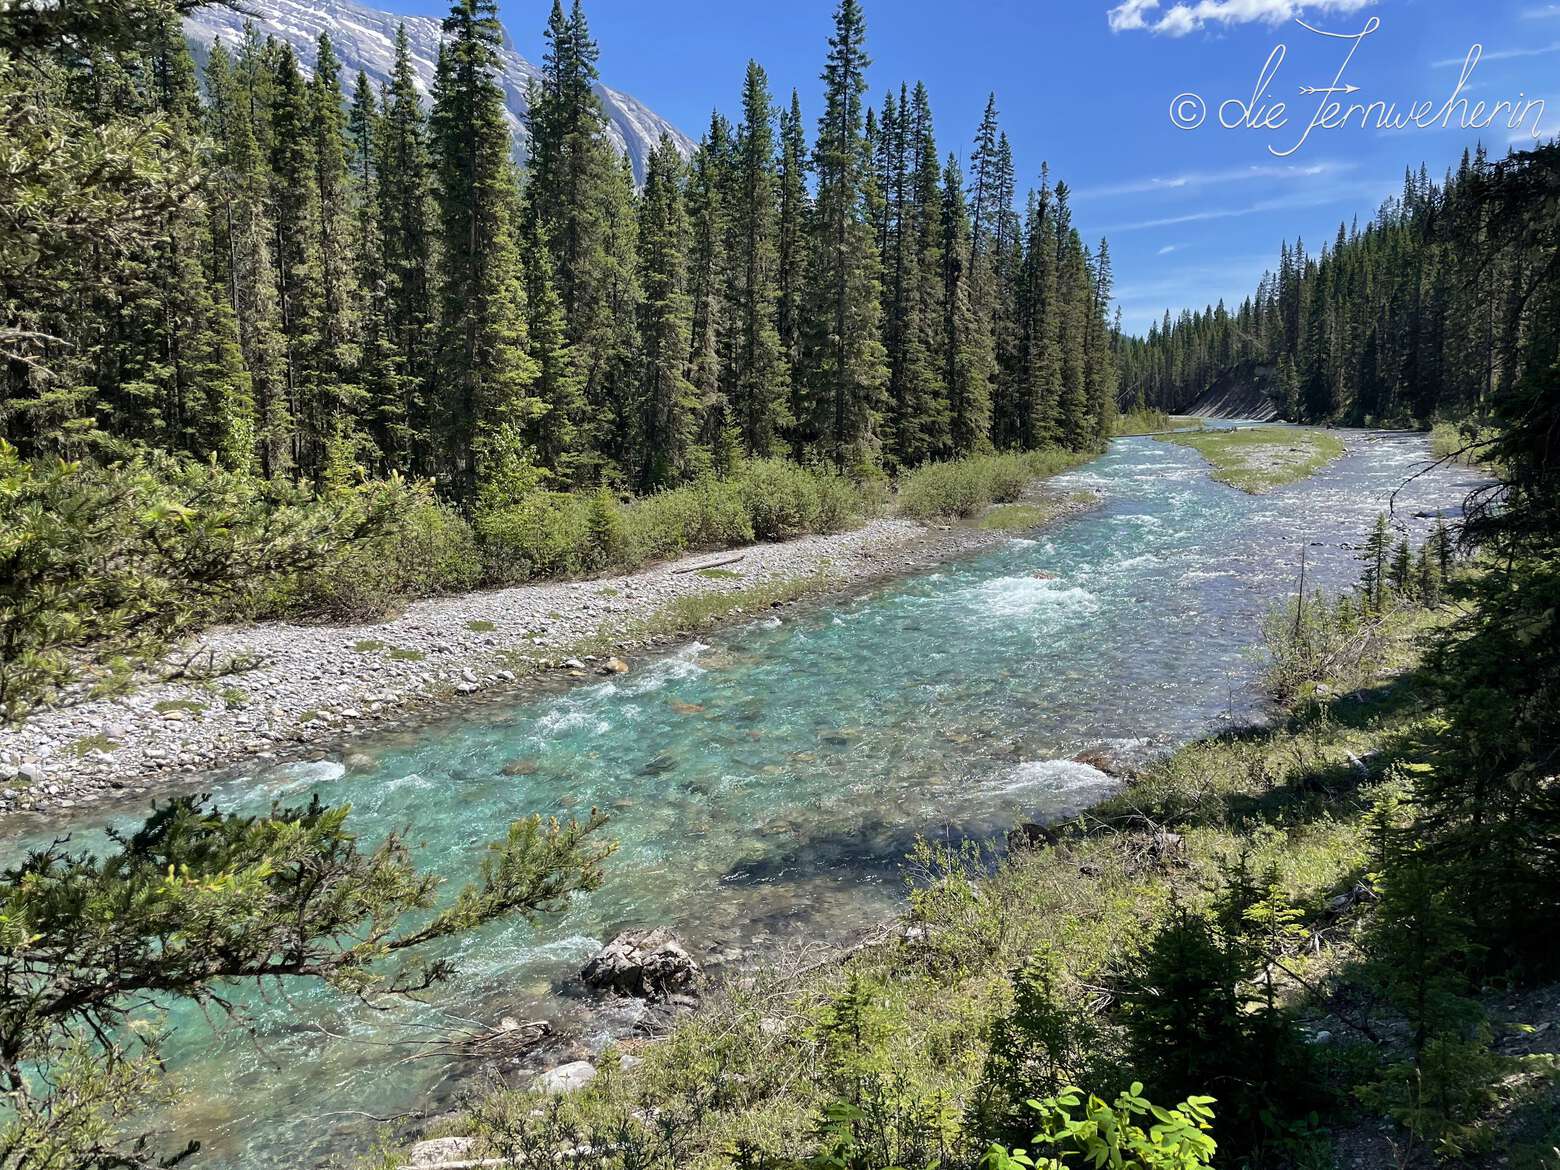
711	564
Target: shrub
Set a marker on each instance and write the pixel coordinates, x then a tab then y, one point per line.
1113	1135
609	542
109	563
703	515
545	534
841	504
429	549
781	498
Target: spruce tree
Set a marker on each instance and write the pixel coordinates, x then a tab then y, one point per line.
791	233
404	211
966	346
847	368
669	403
485	371
761	377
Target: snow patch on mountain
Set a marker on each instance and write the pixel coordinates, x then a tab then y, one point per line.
364	39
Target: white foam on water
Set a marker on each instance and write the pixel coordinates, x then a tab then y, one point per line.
292	777
1022	542
1053	776
1032	597
772	623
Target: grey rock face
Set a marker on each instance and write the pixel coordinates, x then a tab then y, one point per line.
364	39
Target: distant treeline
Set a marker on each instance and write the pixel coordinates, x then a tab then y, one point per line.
1421	313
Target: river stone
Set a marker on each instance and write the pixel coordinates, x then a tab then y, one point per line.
614	665
650	964
566	1078
440	1152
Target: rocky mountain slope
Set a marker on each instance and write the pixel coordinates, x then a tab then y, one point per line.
364	38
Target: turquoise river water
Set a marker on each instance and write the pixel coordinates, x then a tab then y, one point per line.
766	783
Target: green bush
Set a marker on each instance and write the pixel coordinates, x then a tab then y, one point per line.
104	565
545	534
610	546
965	487
428	550
841	504
708	514
781	498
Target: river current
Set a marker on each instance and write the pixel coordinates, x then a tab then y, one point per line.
766	782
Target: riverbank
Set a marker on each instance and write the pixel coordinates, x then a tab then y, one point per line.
1009	969
277	691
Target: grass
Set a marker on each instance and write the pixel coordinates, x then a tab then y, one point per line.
481	626
368	645
1022	517
1259	459
168	706
694	612
88	744
939	978
719	575
401	654
1152	422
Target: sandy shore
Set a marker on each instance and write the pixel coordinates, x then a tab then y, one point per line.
307	689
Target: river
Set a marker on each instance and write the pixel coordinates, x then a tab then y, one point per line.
765	783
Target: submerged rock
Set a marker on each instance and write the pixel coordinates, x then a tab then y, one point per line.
1101	760
521	768
649	964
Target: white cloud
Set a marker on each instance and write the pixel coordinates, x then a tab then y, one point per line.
1501	55
1183	18
1167	249
1543	13
1329	196
1194	180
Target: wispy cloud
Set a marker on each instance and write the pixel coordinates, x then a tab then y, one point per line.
1542	13
1182	18
1167	249
1501	55
1338	193
1195	180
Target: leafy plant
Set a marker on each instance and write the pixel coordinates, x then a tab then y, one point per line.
1112	1136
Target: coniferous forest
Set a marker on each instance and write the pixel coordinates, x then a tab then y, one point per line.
1419	314
281	344
327	326
337	281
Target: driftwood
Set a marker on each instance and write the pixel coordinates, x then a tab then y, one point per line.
712	564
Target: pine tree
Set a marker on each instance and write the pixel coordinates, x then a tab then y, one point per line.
966	346
708	367
340	324
844	352
669	403
791	233
404	210
761	377
486	372
242	231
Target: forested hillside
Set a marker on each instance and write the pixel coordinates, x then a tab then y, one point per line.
311	345
1416	315
245	266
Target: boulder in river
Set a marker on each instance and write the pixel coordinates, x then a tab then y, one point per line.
649	964
566	1078
1100	760
614	665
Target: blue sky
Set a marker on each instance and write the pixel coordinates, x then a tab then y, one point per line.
1192	215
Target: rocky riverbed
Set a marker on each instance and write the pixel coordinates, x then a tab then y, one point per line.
278	691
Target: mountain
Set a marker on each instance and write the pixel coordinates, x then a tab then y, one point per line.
364	39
